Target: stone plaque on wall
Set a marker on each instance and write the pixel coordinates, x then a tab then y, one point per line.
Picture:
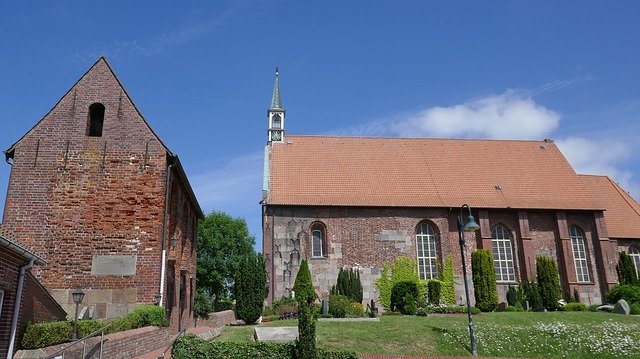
113	265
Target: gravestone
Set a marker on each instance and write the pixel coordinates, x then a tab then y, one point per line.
622	307
275	334
502	306
325	307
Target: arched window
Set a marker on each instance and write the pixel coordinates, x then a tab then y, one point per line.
426	251
502	255
96	119
635	256
276	121
318	240
579	254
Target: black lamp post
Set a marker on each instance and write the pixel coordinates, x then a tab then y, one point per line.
471	226
78	295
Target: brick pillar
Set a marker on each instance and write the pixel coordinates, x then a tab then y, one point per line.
606	254
565	252
485	230
528	265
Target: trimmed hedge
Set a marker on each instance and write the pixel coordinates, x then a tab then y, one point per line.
42	335
191	347
574	307
484	280
399	293
628	292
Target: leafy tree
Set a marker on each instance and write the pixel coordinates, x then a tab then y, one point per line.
202	304
626	270
223	241
249	288
484	280
305	295
548	282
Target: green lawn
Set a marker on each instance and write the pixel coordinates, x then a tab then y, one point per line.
507	334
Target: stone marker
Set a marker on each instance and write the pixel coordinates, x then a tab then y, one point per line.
325	307
275	334
622	307
502	306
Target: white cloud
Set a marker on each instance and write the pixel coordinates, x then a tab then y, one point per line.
511	115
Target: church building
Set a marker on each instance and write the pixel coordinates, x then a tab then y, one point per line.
97	194
358	202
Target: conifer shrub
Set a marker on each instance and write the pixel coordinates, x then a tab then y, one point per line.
202	303
548	282
250	286
484	280
626	270
305	296
512	296
410	306
447	290
531	294
434	291
349	284
399	293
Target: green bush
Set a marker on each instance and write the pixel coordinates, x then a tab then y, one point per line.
399	293
447	291
548	282
202	303
148	314
42	335
626	270
628	292
305	295
594	307
574	307
120	324
434	290
410	307
191	347
338	305
531	294
512	296
449	309
510	308
249	288
220	305
402	269
349	284
484	280
86	327
635	309
421	312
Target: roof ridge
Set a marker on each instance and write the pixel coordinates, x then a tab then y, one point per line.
422	138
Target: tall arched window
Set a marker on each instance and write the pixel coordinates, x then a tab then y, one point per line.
502	255
96	119
635	256
426	251
579	254
276	121
318	240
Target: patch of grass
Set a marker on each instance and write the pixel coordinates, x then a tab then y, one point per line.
505	334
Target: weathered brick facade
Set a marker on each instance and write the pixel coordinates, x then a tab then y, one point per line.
366	237
103	208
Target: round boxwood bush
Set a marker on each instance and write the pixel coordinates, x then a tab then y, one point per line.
339	305
399	293
628	292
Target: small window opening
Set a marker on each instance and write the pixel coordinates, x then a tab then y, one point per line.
96	119
277	121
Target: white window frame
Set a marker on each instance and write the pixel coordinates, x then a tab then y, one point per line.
426	251
579	249
502	248
314	247
634	253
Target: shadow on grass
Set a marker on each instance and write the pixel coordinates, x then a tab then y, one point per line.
444	331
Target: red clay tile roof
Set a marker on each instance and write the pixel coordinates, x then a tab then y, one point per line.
622	212
423	172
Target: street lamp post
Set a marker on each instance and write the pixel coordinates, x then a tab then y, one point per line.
471	226
78	295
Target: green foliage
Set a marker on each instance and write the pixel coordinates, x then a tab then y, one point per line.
628	292
421	312
356	310
548	282
410	307
594	307
190	346
120	324
402	269
576	296
531	294
449	309
220	305
349	284
222	242
399	294
434	291
305	295
339	305
574	307
146	315
510	308
484	280
202	303
250	288
284	308
42	335
626	270
512	296
448	292
86	327
634	309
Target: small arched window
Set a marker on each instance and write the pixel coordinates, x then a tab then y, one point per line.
276	121
502	254
318	240
96	120
579	254
426	251
635	257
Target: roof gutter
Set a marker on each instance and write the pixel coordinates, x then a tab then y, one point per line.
16	306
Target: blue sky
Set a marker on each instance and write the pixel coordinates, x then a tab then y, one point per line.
202	74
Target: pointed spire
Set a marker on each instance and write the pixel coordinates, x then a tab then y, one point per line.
276	102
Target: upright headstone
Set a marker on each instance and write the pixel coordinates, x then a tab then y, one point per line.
325	307
622	307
